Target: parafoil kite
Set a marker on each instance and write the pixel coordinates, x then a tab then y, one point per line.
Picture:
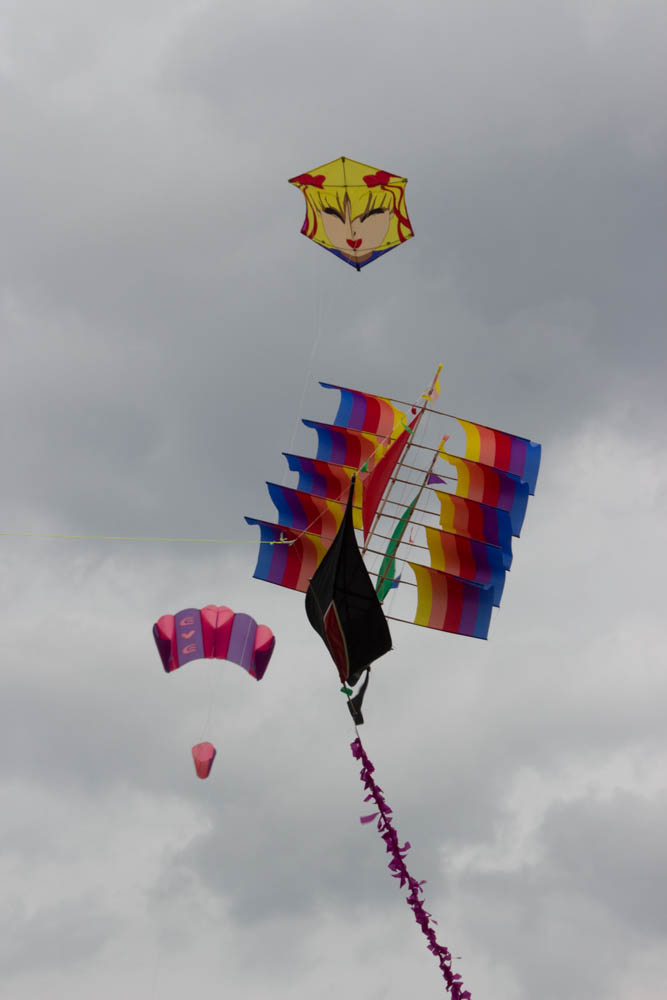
353	210
214	632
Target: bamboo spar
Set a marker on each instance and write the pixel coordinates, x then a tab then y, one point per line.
378	513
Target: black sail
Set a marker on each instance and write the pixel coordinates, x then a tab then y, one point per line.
343	607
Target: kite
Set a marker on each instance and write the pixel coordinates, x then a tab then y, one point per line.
369	473
470	506
214	632
353	210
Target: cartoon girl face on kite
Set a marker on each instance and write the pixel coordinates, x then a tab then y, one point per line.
354	210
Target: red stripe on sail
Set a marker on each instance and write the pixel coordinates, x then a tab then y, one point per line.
447	603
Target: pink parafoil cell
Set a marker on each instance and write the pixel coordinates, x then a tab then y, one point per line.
203	755
214	633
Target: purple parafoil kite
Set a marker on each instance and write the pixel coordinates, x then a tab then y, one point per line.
214	633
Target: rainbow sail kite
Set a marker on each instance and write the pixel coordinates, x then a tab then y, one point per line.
462	509
372	478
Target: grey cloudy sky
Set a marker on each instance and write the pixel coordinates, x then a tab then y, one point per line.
163	325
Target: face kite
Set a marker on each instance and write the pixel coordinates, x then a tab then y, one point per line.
353	210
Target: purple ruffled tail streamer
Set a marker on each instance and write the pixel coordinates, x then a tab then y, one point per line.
398	870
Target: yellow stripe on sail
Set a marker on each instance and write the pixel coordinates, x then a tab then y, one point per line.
463	470
473	440
399	417
436	551
447	511
424	594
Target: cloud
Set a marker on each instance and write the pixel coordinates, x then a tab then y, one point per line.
164	326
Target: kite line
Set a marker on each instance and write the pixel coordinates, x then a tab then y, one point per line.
137	538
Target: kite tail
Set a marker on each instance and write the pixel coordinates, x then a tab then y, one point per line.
398	870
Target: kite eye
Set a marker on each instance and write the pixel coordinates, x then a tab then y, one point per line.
373	211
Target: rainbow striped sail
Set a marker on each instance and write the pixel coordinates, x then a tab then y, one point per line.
288	558
324	479
451	604
342	446
309	512
491	487
505	452
467	559
363	412
477	520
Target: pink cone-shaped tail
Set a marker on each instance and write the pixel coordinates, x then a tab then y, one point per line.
203	755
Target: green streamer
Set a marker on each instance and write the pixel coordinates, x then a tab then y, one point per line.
387	574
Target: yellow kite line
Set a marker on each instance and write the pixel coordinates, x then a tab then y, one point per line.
139	538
